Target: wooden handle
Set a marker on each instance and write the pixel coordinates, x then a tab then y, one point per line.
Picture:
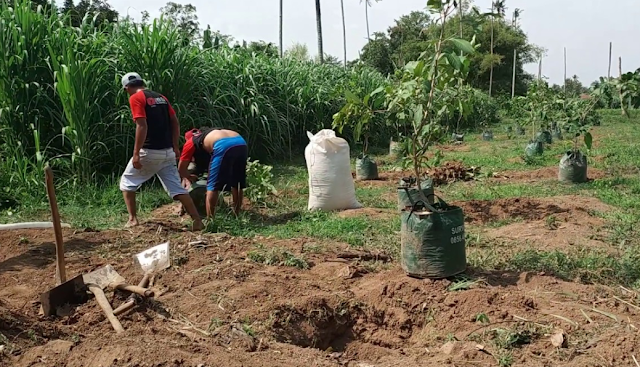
106	307
126	306
144	292
61	273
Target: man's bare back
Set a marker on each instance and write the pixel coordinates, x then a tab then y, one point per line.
215	135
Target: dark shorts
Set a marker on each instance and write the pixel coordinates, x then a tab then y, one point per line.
228	166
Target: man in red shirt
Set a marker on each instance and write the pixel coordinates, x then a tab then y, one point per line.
225	153
155	150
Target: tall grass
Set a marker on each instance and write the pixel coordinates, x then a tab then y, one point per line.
61	101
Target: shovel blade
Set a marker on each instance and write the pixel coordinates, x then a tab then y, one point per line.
104	276
73	292
154	259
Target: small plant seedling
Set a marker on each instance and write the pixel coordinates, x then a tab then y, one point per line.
482	318
552	222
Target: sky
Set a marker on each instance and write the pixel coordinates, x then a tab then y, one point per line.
584	27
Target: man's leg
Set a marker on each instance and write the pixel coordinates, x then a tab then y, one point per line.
131	181
130	201
190	207
170	179
239	176
238	196
212	202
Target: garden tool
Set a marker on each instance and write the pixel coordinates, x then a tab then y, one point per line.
65	292
133	298
108	277
153	259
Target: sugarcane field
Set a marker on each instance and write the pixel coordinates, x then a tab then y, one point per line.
440	183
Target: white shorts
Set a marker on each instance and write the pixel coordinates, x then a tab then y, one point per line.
154	162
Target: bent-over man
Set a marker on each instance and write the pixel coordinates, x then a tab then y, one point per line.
226	153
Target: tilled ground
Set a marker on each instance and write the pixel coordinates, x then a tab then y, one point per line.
217	307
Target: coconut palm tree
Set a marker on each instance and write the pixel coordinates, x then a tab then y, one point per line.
516	15
344	33
319	27
498	8
367	5
281	43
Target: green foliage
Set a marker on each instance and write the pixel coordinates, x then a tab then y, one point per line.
358	112
578	117
259	182
428	91
413	34
60	99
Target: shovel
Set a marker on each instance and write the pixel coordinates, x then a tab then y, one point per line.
154	259
107	276
65	292
104	277
149	261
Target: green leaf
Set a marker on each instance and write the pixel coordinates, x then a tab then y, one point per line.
417	114
588	140
454	61
379	90
462	45
352	98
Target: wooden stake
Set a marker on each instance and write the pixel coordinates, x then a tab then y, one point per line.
610	49
513	80
565	72
540	69
61	273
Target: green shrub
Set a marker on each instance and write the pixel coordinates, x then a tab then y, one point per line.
259	182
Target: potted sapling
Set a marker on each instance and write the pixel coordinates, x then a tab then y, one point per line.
432	231
357	114
579	117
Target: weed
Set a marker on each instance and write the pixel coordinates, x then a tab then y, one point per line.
214	324
276	256
552	222
463	283
482	318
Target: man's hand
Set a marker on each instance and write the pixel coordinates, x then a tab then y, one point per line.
136	161
186	183
176	150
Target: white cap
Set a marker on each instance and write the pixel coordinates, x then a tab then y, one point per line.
129	78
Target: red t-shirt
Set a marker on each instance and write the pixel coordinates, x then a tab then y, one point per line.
138	103
188	150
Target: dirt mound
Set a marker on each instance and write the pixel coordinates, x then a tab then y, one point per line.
219	304
542	223
545	173
530	209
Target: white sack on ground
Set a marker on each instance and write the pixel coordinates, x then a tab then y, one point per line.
331	185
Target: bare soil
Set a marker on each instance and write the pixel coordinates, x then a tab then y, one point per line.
558	222
214	307
545	173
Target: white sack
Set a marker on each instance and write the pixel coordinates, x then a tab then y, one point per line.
331	185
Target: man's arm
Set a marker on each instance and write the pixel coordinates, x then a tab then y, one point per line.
138	104
188	150
141	136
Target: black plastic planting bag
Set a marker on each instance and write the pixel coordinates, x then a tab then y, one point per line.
410	195
544	137
366	169
433	241
534	148
573	167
